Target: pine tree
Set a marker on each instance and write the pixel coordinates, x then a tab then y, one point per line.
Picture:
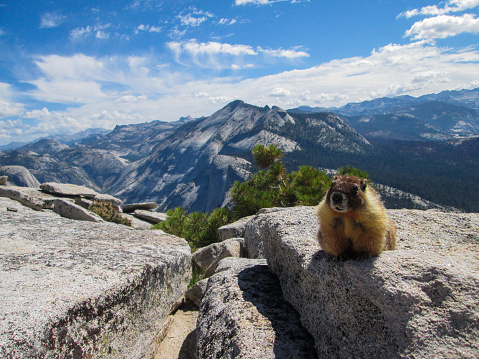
265	156
275	187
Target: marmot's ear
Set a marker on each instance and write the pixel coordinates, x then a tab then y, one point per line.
336	177
364	184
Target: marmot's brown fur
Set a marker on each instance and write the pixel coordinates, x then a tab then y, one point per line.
353	221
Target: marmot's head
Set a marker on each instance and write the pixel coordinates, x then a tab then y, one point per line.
346	193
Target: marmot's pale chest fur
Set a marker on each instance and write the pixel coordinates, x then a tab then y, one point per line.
353	221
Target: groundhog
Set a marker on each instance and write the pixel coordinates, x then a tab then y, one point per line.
352	220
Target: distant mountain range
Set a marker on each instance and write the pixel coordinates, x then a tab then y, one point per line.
440	116
425	146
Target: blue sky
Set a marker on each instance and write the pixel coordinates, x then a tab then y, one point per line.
71	65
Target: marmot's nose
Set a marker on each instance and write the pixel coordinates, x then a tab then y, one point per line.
337	197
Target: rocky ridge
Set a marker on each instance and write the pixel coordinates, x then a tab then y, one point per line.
74	201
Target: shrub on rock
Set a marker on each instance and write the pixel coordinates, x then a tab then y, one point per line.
108	212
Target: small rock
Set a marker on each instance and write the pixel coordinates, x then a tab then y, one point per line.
128	208
11	209
235	229
196	292
67	209
153	217
3	180
83	202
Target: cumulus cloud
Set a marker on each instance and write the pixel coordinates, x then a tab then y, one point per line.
11	128
439	24
49	20
449	6
440	27
280	92
8	109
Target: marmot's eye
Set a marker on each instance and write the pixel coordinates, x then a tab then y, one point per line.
355	190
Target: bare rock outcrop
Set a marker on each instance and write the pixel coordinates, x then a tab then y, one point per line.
243	315
417	301
76	289
19	176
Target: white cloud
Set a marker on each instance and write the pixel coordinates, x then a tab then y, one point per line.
49	20
102	35
5	90
194	18
72	79
11	128
255	2
84	32
434	10
189	20
80	32
280	92
292	53
8	109
443	26
129	97
224	21
212	48
210	54
148	28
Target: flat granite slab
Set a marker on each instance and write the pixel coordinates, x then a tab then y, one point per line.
75	289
